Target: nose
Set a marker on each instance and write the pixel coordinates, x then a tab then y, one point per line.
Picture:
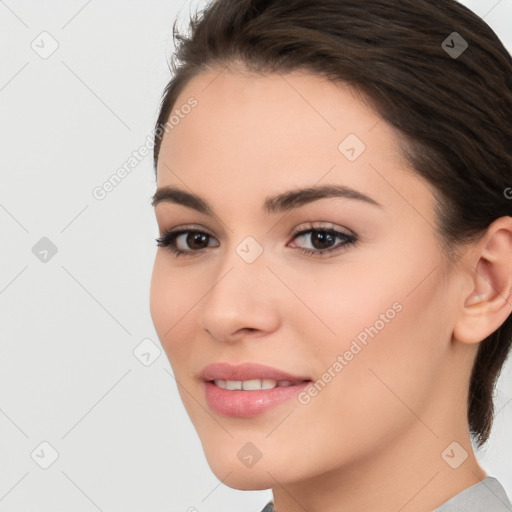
242	300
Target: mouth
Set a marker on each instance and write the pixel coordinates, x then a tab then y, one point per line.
248	403
254	384
249	389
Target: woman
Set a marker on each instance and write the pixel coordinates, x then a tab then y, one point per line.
334	275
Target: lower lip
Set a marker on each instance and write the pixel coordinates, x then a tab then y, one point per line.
246	404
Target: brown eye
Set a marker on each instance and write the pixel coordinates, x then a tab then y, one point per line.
323	240
196	240
184	241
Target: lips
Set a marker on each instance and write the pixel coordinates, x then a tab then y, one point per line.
247	371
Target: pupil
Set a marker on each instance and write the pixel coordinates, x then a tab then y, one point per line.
324	238
195	237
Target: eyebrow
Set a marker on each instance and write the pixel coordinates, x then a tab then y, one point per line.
279	203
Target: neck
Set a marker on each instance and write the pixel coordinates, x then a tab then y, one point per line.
414	474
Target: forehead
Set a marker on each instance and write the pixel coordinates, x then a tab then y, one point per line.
255	134
242	109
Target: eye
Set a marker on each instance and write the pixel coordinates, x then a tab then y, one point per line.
174	240
323	240
190	242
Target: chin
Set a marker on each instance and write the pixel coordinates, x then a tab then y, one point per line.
249	484
234	474
246	480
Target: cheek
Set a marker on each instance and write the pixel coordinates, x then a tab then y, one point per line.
160	300
389	295
172	297
385	346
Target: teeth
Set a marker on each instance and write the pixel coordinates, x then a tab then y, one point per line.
249	385
268	384
233	384
257	384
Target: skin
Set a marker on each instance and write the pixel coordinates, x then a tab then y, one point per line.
372	439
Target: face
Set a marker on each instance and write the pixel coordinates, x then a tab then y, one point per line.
347	291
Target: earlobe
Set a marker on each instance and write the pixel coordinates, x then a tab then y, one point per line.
489	303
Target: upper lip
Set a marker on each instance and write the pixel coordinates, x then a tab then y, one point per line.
246	371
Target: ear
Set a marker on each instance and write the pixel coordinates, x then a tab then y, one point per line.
489	302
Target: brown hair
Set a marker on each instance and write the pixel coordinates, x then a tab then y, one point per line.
453	111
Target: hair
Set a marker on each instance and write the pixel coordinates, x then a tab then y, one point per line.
452	112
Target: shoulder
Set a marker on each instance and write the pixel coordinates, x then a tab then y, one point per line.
488	495
269	507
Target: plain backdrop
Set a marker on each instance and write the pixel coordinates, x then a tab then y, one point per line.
80	84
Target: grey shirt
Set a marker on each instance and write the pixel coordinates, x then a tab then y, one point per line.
487	495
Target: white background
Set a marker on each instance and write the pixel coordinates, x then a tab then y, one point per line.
68	327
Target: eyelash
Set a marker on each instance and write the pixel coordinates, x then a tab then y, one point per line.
168	241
